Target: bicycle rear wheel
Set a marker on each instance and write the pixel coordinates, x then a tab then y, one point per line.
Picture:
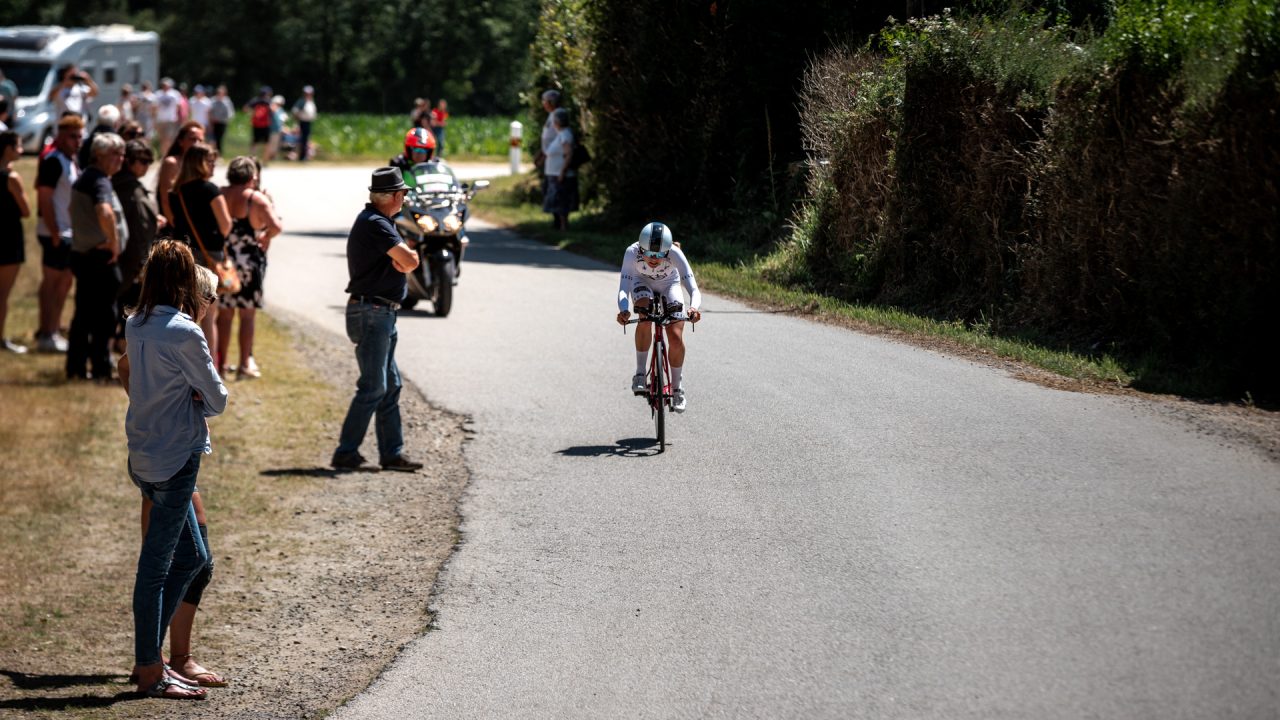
657	395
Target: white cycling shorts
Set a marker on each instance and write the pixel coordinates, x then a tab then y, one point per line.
670	292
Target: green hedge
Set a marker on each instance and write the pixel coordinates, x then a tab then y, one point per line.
1113	192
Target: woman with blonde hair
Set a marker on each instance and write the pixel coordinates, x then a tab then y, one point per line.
254	225
199	216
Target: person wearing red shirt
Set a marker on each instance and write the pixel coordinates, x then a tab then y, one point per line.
439	118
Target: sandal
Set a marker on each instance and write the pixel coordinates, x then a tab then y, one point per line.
200	674
168	672
166	688
248	371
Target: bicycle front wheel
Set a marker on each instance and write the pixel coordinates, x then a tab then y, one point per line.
657	396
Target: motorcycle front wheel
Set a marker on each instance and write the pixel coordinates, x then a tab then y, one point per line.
444	288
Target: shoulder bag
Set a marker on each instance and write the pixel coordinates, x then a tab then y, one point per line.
228	278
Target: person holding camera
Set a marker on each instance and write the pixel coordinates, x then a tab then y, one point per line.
72	92
377	260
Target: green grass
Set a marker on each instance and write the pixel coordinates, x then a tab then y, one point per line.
594	235
356	137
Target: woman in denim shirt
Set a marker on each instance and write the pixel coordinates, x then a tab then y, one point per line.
173	387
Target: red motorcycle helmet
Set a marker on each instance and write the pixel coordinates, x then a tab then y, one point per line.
419	139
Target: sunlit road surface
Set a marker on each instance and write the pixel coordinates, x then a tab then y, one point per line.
841	527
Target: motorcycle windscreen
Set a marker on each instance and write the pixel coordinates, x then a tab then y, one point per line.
434	183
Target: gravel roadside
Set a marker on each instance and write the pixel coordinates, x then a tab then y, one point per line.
305	614
355	586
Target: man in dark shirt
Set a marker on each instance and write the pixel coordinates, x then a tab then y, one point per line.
99	233
377	260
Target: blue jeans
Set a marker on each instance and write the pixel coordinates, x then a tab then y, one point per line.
373	329
173	553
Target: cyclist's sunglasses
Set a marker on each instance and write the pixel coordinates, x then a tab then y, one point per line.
657	255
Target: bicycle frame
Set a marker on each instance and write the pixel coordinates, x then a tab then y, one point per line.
659	393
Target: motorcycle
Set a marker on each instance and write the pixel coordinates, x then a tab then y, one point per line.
433	223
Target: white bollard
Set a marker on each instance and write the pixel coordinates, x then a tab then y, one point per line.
517	132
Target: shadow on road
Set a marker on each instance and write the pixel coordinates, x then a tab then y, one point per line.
500	247
630	447
78	702
325	472
28	681
321	234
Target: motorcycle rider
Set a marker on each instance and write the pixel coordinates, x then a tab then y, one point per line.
420	147
655	265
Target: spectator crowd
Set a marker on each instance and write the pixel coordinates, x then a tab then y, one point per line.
162	265
99	208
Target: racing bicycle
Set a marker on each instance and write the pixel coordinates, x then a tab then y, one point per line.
658	392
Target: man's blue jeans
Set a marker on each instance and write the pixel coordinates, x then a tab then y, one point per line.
373	329
173	553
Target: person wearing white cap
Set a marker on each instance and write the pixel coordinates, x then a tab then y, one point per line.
305	111
200	103
168	102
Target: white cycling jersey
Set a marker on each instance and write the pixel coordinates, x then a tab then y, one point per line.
664	278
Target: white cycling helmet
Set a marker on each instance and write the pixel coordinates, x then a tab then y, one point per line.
655	240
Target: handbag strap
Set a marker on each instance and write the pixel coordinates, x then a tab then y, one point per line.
207	257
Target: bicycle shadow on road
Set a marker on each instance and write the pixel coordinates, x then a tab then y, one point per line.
630	447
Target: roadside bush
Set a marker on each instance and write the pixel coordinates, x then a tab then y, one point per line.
926	139
1115	192
1156	217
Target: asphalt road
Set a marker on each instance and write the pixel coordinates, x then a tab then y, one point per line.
842	526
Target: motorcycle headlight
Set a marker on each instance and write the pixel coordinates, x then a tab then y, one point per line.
452	224
427	223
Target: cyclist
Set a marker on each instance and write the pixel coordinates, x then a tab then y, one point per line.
419	147
654	265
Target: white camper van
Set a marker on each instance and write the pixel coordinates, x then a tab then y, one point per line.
31	56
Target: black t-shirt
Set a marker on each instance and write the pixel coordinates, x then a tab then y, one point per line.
48	173
368	264
10	213
199	196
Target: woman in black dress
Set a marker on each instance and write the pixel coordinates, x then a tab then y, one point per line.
200	218
13	207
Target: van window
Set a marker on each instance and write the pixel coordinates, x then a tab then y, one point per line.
109	75
135	73
28	76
